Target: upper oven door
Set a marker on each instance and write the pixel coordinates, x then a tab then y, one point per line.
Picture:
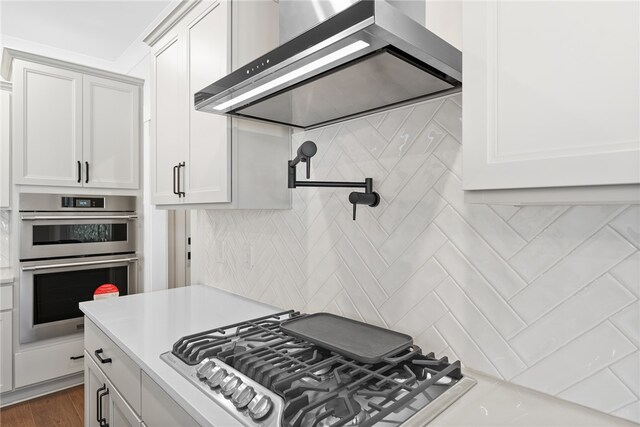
50	235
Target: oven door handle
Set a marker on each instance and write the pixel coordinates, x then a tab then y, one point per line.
75	218
77	264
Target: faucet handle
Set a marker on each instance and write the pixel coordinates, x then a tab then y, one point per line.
370	199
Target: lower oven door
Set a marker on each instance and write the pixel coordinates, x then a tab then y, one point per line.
50	291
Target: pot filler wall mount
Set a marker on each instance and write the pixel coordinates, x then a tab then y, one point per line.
306	151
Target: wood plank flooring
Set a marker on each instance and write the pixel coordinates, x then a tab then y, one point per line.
64	409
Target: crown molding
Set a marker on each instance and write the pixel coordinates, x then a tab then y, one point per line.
170	21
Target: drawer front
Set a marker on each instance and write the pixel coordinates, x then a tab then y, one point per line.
45	363
6	297
121	371
159	409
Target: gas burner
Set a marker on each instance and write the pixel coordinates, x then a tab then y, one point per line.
266	377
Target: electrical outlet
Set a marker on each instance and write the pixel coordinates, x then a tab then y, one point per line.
247	256
220	247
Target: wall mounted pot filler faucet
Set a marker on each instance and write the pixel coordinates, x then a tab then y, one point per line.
306	151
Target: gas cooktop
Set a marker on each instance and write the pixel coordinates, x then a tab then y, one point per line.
264	376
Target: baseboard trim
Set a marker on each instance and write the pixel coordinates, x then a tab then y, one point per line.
41	389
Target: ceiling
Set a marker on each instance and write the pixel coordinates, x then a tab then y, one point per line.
98	28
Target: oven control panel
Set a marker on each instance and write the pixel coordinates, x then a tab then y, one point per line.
83	202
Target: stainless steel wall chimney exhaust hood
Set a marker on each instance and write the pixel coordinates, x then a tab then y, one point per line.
366	58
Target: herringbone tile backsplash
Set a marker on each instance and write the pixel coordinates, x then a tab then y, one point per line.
543	296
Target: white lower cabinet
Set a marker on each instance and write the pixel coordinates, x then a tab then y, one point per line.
119	393
103	404
44	363
159	409
6	352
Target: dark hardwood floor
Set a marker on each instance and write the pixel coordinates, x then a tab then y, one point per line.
64	409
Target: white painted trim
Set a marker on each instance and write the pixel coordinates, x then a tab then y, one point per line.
588	195
170	21
8	55
41	389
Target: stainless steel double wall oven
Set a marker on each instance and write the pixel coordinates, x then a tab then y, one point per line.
69	246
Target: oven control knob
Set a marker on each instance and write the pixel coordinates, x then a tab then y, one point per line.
230	384
243	395
204	368
259	406
216	376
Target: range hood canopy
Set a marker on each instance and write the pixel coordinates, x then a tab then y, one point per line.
367	58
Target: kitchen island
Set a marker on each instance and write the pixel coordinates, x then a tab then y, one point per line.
146	325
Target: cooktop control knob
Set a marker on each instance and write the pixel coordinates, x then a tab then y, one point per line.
230	384
259	406
204	368
243	395
216	376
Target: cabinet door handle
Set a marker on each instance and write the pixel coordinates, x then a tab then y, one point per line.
98	403
102	421
98	353
79	171
76	357
175	168
180	192
86	178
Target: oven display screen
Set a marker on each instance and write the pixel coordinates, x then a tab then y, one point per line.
83	203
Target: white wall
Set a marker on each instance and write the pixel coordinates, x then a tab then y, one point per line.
544	296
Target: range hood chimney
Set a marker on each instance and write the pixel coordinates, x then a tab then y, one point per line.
338	60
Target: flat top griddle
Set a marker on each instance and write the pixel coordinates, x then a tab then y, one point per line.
360	341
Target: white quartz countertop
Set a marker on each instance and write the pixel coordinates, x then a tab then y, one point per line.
146	325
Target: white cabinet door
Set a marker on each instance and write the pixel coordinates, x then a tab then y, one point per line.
121	414
5	145
159	409
111	133
97	401
551	94
168	127
6	352
207	170
48	122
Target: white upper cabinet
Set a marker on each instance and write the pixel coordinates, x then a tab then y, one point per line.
5	145
47	125
208	167
73	126
168	119
551	94
111	126
200	158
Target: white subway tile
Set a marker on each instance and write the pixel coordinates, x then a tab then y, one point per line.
575	316
415	255
628	370
577	361
590	260
628	273
362	274
529	221
560	238
392	121
403	202
481	218
488	301
601	391
411	293
450	117
628	224
359	297
463	346
476	250
628	321
630	412
417	220
477	326
449	151
363	247
417	319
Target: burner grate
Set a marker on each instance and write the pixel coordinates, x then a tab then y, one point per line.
320	387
